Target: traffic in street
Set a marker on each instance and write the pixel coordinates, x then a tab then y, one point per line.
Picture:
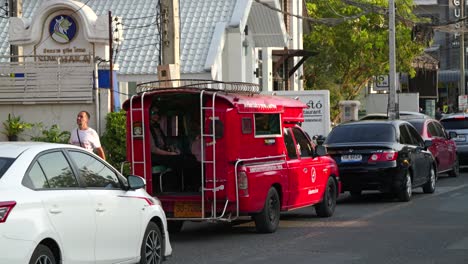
373	228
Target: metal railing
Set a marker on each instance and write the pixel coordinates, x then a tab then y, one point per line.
235	87
43	82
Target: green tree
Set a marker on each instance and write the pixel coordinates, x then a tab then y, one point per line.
354	50
114	139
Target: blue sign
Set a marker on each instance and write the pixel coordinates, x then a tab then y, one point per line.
62	29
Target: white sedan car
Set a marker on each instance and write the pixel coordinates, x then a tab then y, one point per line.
62	204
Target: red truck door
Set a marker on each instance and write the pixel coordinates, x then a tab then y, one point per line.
306	175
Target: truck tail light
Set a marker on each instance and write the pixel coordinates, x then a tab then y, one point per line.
383	156
5	209
243	183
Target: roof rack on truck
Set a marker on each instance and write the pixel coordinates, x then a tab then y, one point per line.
231	87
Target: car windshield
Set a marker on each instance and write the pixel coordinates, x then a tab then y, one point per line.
455	123
4	165
362	133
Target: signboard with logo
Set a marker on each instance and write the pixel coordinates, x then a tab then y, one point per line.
62	38
317	115
381	83
62	28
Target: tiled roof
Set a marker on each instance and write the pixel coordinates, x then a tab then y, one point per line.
198	19
4	46
139	52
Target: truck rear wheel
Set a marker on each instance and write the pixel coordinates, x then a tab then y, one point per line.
174	227
267	220
326	207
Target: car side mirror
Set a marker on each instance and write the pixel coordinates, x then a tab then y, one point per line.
320	150
136	182
427	143
452	134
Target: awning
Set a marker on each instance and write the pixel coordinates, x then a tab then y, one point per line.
449	76
268	28
289	53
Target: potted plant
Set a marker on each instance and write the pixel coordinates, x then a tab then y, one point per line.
14	126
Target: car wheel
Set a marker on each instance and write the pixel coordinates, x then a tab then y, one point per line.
406	188
174	227
455	170
42	255
326	207
152	247
429	186
267	220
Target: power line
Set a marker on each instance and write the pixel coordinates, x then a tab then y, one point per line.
327	21
155	22
138	18
140	46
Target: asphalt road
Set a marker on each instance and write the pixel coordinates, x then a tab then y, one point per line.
431	228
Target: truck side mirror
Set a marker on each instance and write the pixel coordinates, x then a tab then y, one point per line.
319	139
320	150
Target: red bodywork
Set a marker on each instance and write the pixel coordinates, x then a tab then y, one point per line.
443	148
260	161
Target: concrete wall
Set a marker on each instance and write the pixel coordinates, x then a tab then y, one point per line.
63	115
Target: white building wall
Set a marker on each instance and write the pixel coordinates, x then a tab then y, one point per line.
233	57
296	42
64	115
250	63
267	69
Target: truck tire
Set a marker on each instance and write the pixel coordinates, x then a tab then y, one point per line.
267	220
326	207
174	227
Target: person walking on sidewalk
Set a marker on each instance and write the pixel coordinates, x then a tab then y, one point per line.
86	137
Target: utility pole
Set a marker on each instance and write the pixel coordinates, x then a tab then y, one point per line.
15	10
111	64
462	90
392	110
170	68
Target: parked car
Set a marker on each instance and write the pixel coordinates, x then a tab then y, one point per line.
403	115
62	204
389	156
457	126
443	148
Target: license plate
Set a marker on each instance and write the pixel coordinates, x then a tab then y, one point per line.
460	138
187	209
351	158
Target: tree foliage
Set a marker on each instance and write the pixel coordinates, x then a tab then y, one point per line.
114	139
53	134
352	52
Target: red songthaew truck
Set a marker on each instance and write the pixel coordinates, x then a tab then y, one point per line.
254	158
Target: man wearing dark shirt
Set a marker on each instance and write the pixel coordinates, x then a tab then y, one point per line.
162	154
